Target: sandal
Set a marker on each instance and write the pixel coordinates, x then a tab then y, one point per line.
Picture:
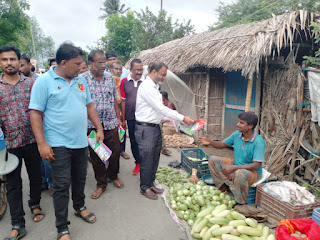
86	218
34	207
21	233
118	183
97	193
60	234
166	152
125	155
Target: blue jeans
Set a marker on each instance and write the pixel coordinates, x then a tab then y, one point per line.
46	174
32	161
69	168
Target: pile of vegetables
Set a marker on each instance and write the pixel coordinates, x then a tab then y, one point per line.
177	140
168	176
189	199
219	222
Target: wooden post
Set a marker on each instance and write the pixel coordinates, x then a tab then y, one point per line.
249	92
296	145
206	101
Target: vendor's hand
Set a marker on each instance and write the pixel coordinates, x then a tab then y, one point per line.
187	120
100	135
228	169
204	140
46	152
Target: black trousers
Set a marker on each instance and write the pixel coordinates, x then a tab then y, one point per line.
149	141
133	142
69	168
32	160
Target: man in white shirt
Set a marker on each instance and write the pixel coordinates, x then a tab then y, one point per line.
149	111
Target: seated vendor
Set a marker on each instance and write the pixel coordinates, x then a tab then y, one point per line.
248	157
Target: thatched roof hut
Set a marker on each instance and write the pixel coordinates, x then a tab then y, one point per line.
236	48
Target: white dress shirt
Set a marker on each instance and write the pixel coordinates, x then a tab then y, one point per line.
149	105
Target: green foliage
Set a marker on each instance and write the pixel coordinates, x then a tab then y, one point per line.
14	27
111	7
39	46
121	34
314	61
246	11
160	29
127	34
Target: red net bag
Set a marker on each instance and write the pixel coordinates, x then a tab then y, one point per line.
306	226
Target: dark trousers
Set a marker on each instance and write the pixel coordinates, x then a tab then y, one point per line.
123	144
134	146
69	168
111	140
32	161
149	141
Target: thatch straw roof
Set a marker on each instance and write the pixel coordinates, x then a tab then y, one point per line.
236	48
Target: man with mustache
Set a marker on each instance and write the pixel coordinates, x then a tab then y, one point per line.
15	91
129	87
103	91
149	112
60	106
248	157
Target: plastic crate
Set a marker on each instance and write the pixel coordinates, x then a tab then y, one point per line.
316	215
251	195
188	164
283	209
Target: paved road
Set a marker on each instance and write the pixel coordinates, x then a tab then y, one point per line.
123	214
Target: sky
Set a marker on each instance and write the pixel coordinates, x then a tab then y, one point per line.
78	20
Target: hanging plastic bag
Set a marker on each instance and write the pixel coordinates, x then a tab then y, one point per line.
306	226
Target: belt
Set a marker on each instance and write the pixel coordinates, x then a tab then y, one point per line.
147	124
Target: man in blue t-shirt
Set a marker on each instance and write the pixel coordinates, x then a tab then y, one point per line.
248	156
60	105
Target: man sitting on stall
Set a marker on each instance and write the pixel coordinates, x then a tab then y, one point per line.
248	155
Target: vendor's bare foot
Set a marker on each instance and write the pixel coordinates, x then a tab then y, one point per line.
223	188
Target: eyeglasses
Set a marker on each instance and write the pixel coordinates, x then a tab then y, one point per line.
138	70
101	63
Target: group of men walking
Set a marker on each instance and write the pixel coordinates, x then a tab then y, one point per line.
50	118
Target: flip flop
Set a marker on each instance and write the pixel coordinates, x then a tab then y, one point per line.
98	192
60	234
125	155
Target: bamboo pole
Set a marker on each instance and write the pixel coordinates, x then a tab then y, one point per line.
249	92
206	101
298	127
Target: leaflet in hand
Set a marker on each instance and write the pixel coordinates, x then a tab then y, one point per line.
121	132
193	128
99	148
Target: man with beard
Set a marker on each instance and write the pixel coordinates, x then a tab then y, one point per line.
149	112
129	87
26	66
15	90
248	155
60	106
104	95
